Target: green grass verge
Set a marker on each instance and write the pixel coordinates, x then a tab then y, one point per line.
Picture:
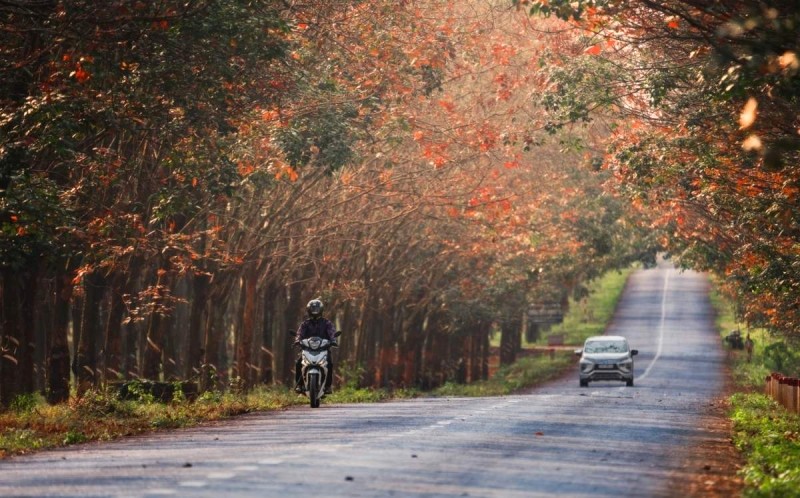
746	374
31	424
767	435
524	373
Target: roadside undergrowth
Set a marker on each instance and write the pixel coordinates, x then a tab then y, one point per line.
767	435
30	424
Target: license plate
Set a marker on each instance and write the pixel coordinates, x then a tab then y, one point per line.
605	367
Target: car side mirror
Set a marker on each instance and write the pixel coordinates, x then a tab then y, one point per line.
634	352
578	352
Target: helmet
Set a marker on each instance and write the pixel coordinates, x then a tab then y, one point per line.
314	308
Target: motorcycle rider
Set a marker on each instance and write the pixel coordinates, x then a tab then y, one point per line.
314	326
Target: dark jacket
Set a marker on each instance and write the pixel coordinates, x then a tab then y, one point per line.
321	327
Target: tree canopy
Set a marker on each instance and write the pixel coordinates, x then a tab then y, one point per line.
704	96
177	180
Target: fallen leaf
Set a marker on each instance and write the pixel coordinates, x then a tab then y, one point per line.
748	115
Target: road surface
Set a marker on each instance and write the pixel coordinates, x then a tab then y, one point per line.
559	440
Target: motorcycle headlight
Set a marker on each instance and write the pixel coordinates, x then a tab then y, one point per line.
314	342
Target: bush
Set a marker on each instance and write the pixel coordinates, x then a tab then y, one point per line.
25	403
778	357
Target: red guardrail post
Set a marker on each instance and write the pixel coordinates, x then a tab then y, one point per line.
796	396
784	390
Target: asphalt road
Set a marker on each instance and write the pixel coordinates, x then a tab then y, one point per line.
604	440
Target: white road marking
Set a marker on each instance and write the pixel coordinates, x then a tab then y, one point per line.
660	327
271	461
246	468
160	491
192	484
221	475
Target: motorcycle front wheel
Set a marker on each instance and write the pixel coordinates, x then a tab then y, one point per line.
313	390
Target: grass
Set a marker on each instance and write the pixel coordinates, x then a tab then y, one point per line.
767	435
525	372
100	416
31	424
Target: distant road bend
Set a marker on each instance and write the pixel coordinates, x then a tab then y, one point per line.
604	440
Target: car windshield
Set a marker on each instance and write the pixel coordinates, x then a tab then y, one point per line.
606	347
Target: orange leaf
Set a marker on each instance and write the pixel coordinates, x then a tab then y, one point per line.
594	50
81	74
748	115
269	115
673	24
447	105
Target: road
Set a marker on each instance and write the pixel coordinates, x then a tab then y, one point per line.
560	439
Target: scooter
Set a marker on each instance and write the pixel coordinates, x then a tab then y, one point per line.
314	366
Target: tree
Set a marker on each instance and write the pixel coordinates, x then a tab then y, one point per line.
709	143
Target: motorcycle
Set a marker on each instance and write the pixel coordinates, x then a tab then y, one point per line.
314	366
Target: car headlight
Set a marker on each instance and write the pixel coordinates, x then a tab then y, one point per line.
586	366
626	364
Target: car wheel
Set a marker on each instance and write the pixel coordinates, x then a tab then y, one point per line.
629	382
583	383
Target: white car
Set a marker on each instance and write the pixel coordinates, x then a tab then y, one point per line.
606	357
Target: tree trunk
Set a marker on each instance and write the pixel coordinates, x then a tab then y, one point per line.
59	359
174	333
267	355
27	323
293	312
208	370
10	340
510	340
212	367
244	349
151	359
485	355
112	343
157	326
197	318
86	356
45	313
